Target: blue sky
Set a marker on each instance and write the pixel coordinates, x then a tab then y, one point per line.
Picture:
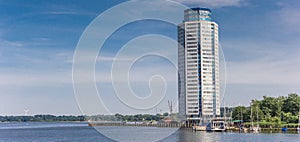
260	41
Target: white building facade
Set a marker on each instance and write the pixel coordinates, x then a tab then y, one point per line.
198	65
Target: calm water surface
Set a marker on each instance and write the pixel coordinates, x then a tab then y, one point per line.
80	132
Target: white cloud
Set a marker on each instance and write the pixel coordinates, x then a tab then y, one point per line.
61	12
139	74
23	66
17	79
67	12
9	44
41	39
213	3
269	62
264	72
111	58
288	17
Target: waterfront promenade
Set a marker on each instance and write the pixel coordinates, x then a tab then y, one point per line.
141	124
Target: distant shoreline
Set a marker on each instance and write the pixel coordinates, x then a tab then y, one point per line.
42	118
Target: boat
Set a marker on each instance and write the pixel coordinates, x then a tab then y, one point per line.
284	129
199	128
298	128
219	129
216	126
254	129
242	128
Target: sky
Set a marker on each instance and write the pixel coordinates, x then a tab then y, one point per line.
38	40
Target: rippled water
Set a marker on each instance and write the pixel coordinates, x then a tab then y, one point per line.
80	132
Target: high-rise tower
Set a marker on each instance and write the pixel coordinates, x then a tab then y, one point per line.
198	65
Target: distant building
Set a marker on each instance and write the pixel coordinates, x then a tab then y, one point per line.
198	65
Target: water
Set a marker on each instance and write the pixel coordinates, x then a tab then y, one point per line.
80	132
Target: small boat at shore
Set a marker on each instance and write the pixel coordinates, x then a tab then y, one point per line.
254	129
199	128
284	129
243	129
216	126
219	129
298	128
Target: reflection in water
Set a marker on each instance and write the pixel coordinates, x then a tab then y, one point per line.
187	135
135	134
29	132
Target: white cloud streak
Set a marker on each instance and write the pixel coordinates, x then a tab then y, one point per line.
23	66
213	3
288	17
9	44
264	72
269	63
15	79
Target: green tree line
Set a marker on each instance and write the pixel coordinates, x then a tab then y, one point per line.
53	118
130	118
278	110
41	118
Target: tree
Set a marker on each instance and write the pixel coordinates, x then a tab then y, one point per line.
255	105
272	106
165	114
119	117
289	118
292	104
240	113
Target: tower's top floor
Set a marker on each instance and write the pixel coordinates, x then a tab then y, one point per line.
197	14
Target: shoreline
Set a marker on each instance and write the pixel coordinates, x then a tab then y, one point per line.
93	124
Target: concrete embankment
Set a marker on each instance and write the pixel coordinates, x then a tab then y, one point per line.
138	124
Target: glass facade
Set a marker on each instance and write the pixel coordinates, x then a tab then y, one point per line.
197	14
198	63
